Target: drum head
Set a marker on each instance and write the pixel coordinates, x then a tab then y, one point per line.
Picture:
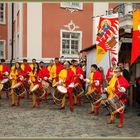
104	96
35	88
4	81
62	89
17	85
45	84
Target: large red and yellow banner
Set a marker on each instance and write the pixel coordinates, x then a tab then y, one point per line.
135	53
107	37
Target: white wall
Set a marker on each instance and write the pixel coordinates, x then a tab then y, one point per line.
91	59
34	30
20	30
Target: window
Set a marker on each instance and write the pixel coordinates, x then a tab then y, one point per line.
73	5
2	13
70	43
2	48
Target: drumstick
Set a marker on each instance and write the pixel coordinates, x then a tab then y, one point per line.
55	84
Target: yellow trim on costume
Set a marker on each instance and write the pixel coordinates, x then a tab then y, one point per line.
73	69
22	66
14	73
91	78
111	87
1	67
53	71
32	66
63	76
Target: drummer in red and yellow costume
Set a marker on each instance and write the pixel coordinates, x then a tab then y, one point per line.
50	66
26	68
38	80
55	70
4	73
96	83
40	73
117	86
51	75
33	76
34	70
26	72
45	75
78	78
110	71
15	71
43	70
66	78
33	63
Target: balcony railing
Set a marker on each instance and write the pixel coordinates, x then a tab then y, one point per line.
123	9
125	14
119	9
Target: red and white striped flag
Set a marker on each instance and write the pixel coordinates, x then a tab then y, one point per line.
107	36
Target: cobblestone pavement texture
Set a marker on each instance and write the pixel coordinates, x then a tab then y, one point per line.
49	121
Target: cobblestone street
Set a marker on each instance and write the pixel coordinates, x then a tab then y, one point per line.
49	121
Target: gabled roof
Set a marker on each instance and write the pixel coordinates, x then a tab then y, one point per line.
88	48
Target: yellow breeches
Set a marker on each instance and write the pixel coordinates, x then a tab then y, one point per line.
34	96
75	99
12	92
63	101
34	99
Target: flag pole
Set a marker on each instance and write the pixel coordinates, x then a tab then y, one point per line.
109	59
109	50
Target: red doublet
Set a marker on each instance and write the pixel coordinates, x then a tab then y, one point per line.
69	80
21	73
26	70
122	82
39	76
70	77
59	67
79	71
44	72
5	68
98	76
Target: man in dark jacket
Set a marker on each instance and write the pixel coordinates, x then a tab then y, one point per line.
124	71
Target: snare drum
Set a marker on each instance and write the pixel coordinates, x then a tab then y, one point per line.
6	84
77	90
115	104
59	94
93	96
26	85
19	89
39	92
